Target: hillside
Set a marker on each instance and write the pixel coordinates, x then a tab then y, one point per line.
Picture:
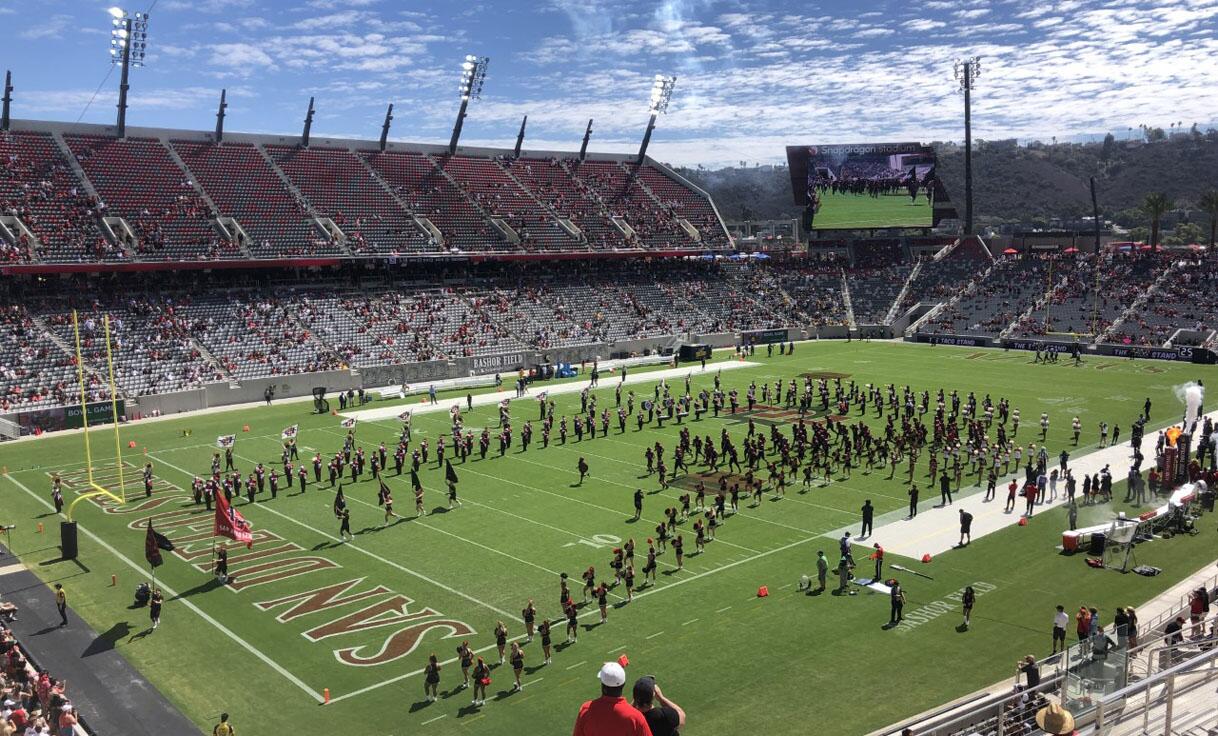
1017	184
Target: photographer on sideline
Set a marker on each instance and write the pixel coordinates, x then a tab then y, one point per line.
663	716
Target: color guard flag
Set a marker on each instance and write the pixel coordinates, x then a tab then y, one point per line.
405	416
226	441
347	423
230	523
153	544
290	432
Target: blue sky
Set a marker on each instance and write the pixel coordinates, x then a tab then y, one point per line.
753	75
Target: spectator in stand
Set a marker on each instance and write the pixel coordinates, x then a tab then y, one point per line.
665	717
610	714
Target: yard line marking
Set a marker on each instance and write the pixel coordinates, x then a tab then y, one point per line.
687	623
433	720
785	586
721	610
654	635
523	685
614	651
184	601
578	665
369	553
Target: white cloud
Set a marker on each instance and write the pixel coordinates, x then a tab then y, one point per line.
923	24
51	27
205	6
240	59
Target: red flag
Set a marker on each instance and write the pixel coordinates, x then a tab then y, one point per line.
230	523
152	551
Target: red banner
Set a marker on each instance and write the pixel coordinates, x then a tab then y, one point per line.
230	523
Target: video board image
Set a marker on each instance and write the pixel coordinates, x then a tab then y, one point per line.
864	186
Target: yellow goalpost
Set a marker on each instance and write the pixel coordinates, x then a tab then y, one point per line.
96	489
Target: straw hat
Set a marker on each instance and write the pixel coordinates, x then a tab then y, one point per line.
1054	719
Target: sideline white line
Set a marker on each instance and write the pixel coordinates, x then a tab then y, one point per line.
221	627
371	554
433	720
658	633
578	664
687	623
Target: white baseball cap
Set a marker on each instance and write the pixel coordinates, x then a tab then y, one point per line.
612	675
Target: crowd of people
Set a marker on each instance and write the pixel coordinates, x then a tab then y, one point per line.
32	702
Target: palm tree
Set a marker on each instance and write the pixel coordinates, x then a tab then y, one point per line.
1155	205
1209	205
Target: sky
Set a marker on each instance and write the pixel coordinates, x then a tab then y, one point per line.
753	76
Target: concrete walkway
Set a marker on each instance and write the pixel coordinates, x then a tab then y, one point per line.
676	376
111	696
937	529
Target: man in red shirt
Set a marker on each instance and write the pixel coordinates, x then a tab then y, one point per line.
611	714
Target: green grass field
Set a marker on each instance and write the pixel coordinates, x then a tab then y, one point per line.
861	212
264	650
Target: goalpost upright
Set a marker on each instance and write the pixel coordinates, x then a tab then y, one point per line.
96	489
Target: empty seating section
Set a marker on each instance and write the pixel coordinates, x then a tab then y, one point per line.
244	186
817	293
940	280
621	194
496	193
549	182
873	290
996	300
416	180
255	334
138	181
151	343
39	186
339	187
686	203
1094	292
1187	298
34	371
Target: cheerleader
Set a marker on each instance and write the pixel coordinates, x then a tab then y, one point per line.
482	678
529	614
431	679
700	538
712	521
662	535
572	623
629	576
501	639
517	664
543	630
564	593
602	601
450	476
589	577
57	493
417	485
582	467
678	546
616	564
466	655
629	547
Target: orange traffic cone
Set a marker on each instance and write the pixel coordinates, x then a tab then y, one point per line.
131	444
623	661
926	557
1023	521
763	591
245	428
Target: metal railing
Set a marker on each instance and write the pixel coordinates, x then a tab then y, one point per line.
1159	710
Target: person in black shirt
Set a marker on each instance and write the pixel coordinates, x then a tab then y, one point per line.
1027	667
966	525
868	516
664	717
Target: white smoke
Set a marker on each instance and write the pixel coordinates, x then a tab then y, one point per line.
1191	394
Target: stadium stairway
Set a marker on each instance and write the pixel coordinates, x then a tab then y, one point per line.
846	300
1137	304
896	303
300	197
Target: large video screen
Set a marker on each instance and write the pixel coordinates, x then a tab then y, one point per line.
864	186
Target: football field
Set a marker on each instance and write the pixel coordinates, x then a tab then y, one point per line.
862	211
307	613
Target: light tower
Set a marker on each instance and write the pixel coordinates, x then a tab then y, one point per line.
128	44
967	71
473	74
661	94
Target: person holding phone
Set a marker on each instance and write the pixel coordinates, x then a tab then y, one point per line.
664	717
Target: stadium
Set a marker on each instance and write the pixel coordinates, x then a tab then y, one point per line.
562	445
